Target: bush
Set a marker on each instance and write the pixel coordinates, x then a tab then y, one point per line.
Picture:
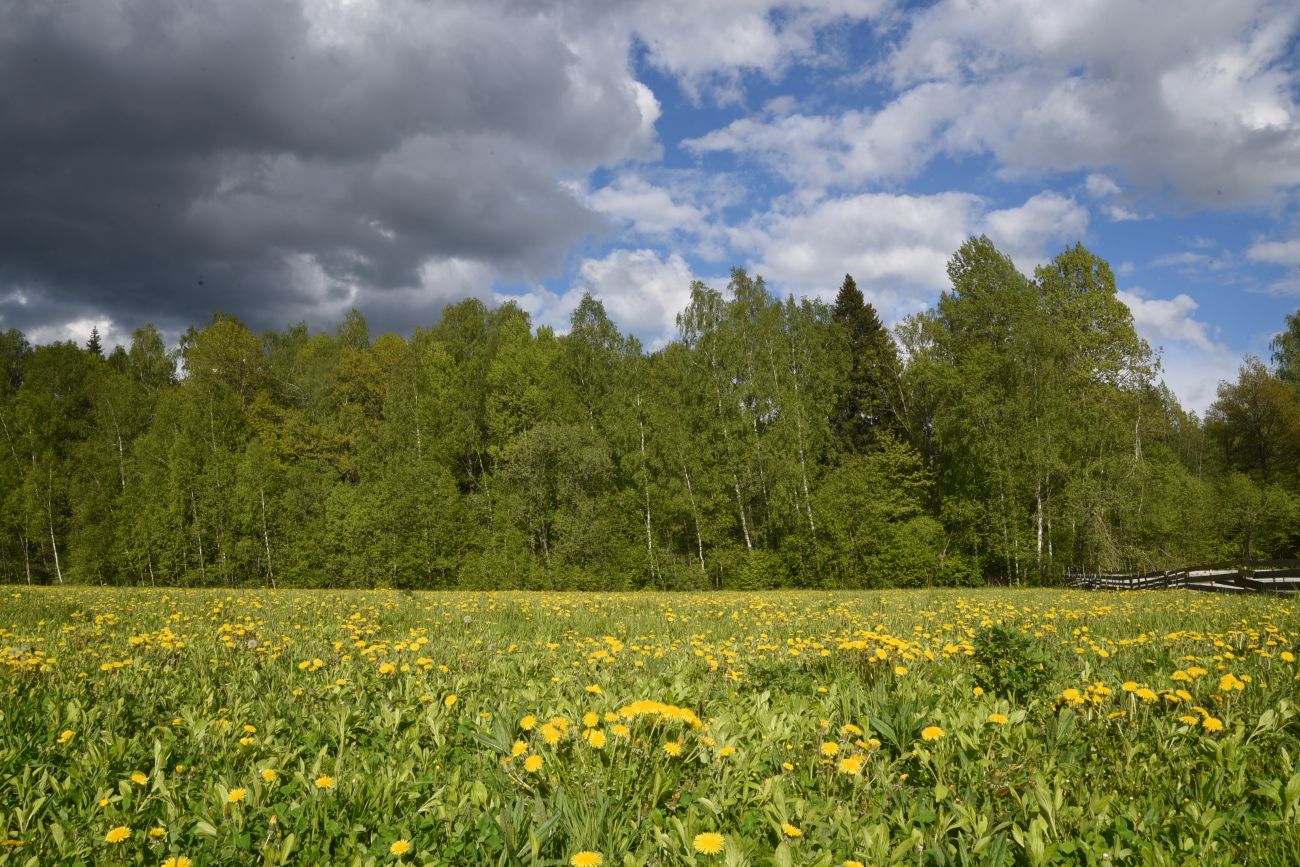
1009	662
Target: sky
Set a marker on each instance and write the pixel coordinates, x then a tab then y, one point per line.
286	161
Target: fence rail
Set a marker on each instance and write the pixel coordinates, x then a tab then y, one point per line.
1277	578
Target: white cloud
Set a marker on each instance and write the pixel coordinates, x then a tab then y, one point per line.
1275	252
1100	187
1187	257
642	291
895	246
1204	108
645	208
79	330
1024	232
1161	320
1193	360
1193	372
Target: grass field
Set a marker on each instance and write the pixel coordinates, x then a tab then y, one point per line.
997	726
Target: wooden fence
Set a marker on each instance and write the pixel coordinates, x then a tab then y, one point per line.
1279	578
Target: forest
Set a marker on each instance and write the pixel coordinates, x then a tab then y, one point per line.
1015	431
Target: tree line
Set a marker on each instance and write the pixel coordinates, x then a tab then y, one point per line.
1014	431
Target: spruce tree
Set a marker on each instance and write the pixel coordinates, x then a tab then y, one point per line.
866	408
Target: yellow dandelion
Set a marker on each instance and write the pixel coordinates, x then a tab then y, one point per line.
387	668
449	700
324	781
851	863
177	861
851	765
65	736
519	748
596	739
590	720
998	719
790	830
587	858
118	834
978	691
139	779
673	748
400	847
247	741
157	831
787	766
1211	724
533	764
1188	720
236	795
528	723
269	775
708	843
829	748
931	733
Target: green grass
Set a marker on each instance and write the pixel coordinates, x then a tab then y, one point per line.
379	717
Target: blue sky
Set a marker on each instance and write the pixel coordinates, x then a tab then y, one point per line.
285	162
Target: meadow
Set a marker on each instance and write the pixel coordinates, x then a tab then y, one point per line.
194	727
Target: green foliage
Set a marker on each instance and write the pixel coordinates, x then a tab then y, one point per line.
1010	663
1010	433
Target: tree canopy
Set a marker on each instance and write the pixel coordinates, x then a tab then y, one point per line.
1014	431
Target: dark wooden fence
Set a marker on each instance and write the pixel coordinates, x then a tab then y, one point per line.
1280	578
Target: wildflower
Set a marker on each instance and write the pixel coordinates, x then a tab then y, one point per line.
787	766
269	775
1229	682
1211	724
829	748
621	731
851	863
1287	656
449	700
900	670
1129	686
324	781
139	779
1146	694
587	858
252	730
673	748
519	748
400	847
533	764
726	751
177	861
387	668
235	796
590	720
65	736
1072	695
528	723
931	733
157	831
594	689
708	843
247	741
118	834
997	719
978	691
850	765
1188	719
790	830
597	740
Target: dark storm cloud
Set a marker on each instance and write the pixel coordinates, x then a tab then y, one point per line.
160	159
